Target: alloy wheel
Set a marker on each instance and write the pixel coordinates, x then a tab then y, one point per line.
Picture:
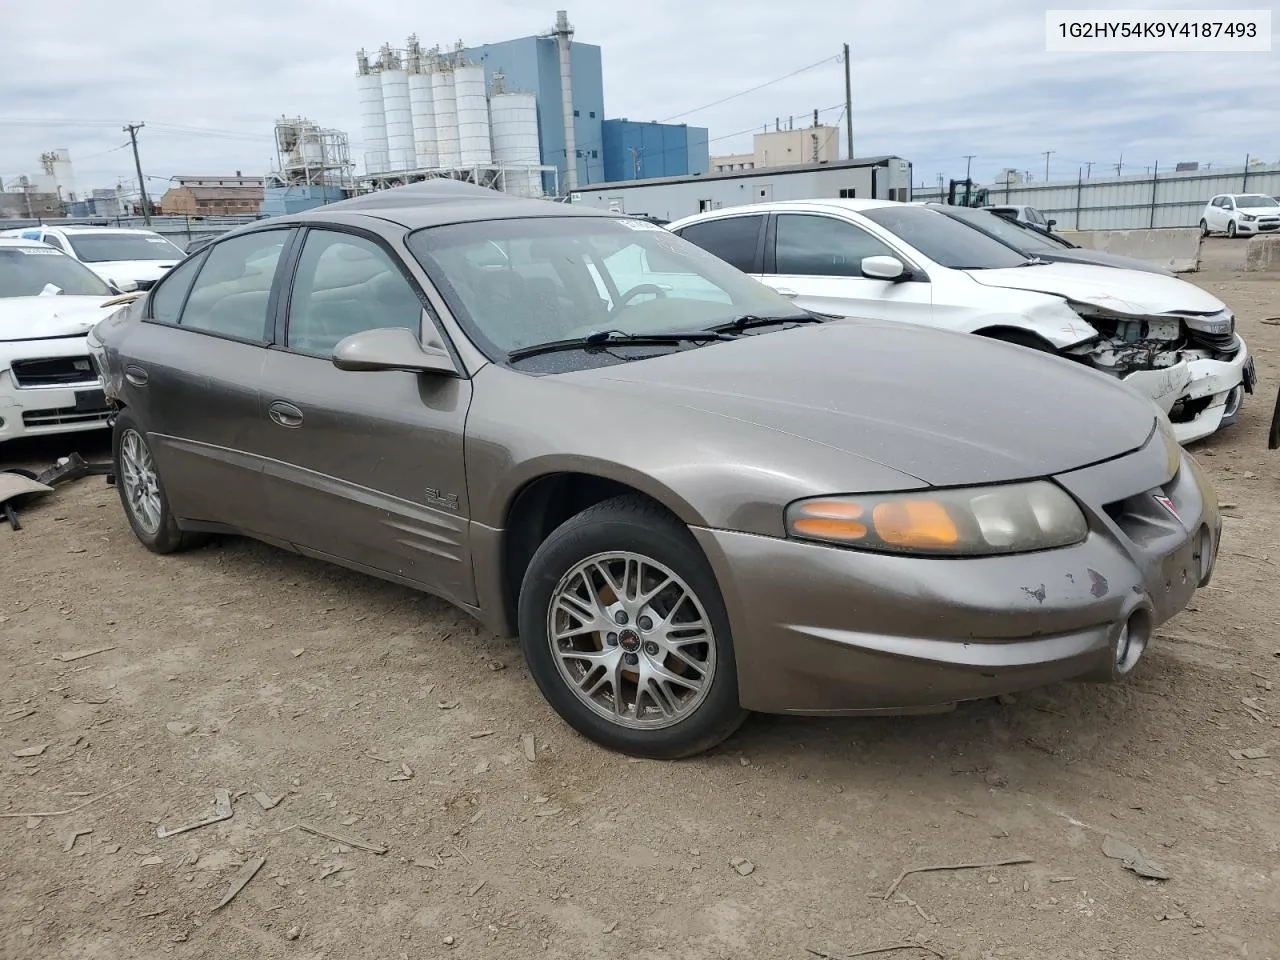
632	640
140	480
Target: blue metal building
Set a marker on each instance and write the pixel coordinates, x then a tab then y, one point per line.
294	198
532	65
642	151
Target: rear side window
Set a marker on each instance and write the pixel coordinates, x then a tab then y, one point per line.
230	295
734	240
166	298
53	241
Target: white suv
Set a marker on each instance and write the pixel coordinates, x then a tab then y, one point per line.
127	259
1240	215
886	260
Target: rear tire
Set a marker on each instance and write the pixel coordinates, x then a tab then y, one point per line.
141	491
635	607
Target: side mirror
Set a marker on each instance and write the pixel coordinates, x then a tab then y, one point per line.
390	348
1051	223
884	268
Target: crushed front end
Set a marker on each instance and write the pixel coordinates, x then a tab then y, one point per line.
1194	366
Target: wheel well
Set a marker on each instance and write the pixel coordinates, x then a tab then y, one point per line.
537	510
1023	338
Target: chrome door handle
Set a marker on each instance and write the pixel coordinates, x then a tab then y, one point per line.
135	375
285	414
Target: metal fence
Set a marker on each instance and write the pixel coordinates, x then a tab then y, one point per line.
1132	202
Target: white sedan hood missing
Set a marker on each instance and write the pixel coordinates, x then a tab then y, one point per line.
1132	292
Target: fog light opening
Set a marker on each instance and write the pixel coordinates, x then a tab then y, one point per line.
1132	641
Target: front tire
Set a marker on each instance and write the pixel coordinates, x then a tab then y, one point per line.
626	634
1204	228
1231	229
141	492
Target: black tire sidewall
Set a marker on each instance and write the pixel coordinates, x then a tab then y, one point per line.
168	537
601	531
1204	228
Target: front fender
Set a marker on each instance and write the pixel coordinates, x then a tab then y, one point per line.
1055	323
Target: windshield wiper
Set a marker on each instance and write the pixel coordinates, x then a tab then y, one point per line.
1033	262
748	320
604	338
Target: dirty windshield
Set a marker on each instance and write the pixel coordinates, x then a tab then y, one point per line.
519	283
105	247
31	271
1256	200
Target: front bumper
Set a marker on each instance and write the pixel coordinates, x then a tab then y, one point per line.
1244	227
822	630
1209	390
39	409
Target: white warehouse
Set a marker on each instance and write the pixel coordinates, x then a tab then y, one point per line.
670	198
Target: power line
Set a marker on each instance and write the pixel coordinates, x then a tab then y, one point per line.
743	93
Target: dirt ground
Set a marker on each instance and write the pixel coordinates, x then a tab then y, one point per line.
382	716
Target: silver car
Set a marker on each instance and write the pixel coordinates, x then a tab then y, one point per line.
688	499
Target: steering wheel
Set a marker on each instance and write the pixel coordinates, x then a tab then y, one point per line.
625	298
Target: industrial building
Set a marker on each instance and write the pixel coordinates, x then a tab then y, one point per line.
526	116
784	148
313	167
213	196
670	198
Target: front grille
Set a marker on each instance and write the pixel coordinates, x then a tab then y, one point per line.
64	416
1141	517
54	371
1218	342
1270	225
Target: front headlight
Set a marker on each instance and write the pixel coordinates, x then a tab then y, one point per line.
961	522
1248	216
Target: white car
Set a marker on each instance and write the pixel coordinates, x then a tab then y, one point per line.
48	304
1240	215
125	258
887	260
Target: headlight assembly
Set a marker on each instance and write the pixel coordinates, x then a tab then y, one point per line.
961	522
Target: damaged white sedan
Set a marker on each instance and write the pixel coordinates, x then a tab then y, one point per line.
48	303
886	260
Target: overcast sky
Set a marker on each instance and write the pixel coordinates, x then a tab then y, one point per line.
932	81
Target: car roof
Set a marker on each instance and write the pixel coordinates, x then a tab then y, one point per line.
23	242
87	228
437	202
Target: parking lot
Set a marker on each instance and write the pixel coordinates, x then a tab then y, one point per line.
464	819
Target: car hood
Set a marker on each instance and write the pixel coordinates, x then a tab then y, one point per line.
1119	291
135	270
944	408
1103	259
1260	211
42	318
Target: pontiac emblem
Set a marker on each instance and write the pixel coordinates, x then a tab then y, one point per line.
1168	505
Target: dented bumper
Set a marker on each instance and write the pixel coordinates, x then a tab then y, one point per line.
822	630
1187	386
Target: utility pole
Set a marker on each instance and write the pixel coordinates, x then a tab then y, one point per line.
1120	165
1047	154
132	130
968	161
848	104
1088	169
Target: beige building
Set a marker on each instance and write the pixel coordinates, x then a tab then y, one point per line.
784	148
213	196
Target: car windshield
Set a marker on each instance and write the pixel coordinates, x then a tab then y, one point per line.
28	271
1256	200
1020	237
107	246
946	242
523	282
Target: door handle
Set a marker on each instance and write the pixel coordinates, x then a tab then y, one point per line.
786	292
135	375
285	414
